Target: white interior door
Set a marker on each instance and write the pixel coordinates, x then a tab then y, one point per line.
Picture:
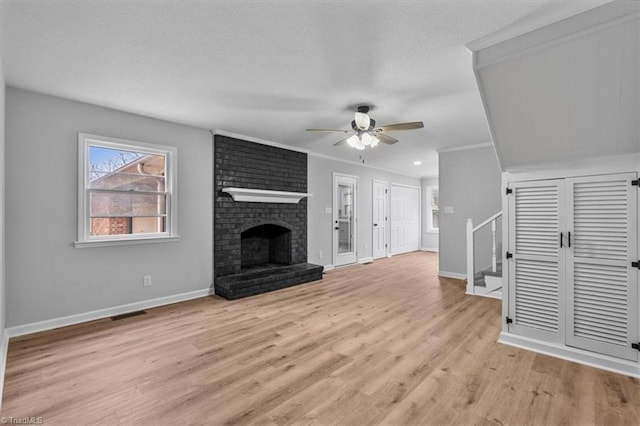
405	219
380	219
602	285
345	201
536	264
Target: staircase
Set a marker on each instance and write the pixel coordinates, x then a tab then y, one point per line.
485	281
489	283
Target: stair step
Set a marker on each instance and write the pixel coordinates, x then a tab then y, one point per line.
497	273
478	278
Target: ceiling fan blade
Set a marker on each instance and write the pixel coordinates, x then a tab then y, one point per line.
401	126
341	141
328	130
385	138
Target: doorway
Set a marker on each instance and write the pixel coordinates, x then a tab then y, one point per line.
405	218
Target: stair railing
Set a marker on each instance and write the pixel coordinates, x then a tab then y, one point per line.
471	230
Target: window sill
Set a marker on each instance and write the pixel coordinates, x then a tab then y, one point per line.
125	242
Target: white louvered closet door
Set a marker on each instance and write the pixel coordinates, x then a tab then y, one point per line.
536	268
601	283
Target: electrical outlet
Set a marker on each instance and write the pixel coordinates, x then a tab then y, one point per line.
146	280
319	255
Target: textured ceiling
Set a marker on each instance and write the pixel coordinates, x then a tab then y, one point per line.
270	69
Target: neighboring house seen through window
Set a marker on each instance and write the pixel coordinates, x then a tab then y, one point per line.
432	209
126	191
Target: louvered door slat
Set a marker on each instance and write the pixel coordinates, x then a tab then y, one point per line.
539	279
599	326
601	287
619	318
613	297
600	337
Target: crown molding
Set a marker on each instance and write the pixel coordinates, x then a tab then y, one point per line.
257	140
513	31
465	147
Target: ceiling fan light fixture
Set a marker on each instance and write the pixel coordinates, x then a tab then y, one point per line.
366	139
355	142
362	120
374	141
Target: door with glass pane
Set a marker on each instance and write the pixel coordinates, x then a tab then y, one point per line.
345	201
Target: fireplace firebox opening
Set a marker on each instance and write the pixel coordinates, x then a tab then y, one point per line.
265	245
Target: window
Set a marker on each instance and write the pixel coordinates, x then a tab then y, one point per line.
432	209
126	191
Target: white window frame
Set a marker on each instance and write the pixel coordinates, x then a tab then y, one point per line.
85	239
430	227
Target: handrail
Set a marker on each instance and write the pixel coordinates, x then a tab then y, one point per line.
486	222
471	230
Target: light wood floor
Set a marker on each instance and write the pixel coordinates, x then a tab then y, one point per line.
384	343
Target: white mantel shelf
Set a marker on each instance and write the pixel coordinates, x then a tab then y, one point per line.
265	196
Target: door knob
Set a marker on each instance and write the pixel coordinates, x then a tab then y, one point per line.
375	224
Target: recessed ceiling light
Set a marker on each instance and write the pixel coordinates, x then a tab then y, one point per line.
417	163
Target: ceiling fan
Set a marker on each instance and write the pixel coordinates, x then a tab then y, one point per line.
364	132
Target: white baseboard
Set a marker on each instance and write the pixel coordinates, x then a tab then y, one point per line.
4	348
404	250
432	249
454	275
21	330
365	260
492	295
328	268
592	359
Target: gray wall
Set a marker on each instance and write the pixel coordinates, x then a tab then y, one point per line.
53	279
46	276
321	186
2	190
470	182
429	239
